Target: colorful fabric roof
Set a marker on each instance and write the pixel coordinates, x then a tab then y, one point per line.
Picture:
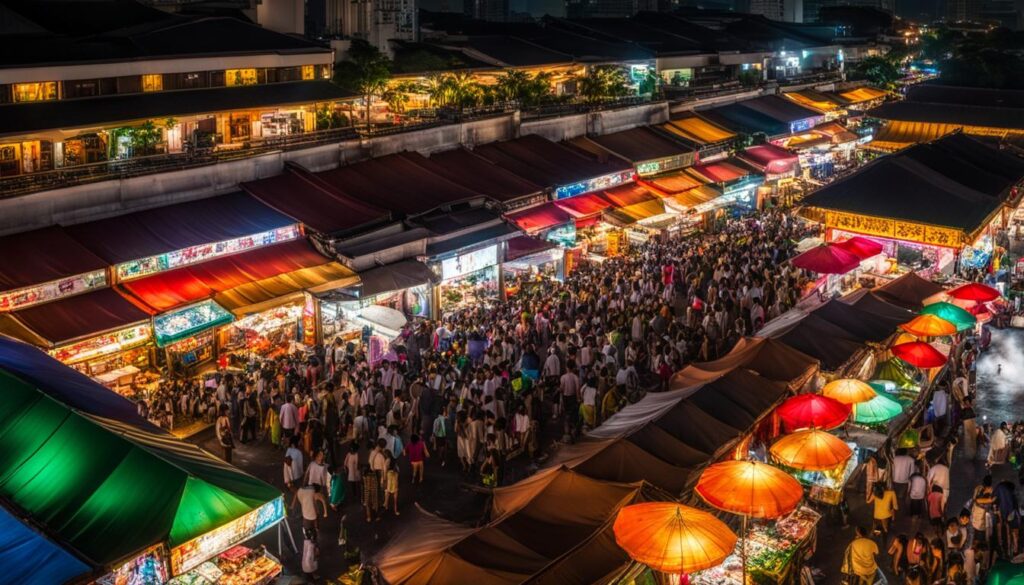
631	214
771	157
43	255
693	197
241	279
105	488
673	183
541	217
627	195
720	171
813	99
71	318
640	144
699	131
862	94
29	558
585	205
897	134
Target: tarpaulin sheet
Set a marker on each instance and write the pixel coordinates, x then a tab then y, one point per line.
79	316
868	301
175	227
863	324
541	217
260	295
622	459
43	255
525	246
28	558
181	286
771	359
908	291
396	276
816	337
109	489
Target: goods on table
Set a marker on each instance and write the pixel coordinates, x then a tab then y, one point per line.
239	565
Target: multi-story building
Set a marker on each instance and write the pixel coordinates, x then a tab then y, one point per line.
963	10
145	83
783	10
812	8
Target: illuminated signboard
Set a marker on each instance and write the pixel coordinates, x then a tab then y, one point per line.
653	167
203	252
596	184
469	263
194	552
101	345
563	235
53	290
171	327
149	568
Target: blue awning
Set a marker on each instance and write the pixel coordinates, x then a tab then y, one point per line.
28	558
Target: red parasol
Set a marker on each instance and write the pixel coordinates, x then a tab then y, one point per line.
974	291
813	411
861	247
827	259
920	354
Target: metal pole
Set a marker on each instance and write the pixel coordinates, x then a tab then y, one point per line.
743	549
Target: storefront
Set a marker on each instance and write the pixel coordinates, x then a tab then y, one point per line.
928	250
270	333
468	279
187	335
113	355
529	262
595	184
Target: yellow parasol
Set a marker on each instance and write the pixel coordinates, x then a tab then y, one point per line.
811	450
848	391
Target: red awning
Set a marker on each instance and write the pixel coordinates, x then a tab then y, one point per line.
674	183
584	205
189	284
525	246
43	255
541	217
76	317
719	172
628	195
771	157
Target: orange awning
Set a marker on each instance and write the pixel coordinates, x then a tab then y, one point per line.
699	130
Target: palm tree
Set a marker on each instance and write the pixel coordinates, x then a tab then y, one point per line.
602	82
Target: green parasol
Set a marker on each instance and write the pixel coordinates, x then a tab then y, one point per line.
1005	573
897	371
877	410
952	313
887	386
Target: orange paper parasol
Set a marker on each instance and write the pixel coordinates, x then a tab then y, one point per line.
752	489
811	450
672	538
813	411
928	326
848	391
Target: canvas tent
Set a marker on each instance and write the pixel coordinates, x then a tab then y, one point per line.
769	358
909	291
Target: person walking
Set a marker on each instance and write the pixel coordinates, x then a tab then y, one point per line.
859	560
418	453
884	510
223	429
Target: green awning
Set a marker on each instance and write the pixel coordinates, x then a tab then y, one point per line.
952	313
107	489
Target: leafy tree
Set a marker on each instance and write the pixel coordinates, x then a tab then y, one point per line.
365	71
457	90
520	86
601	83
879	71
749	78
397	95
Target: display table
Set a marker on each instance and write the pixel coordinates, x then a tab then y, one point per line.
239	565
774	552
108	378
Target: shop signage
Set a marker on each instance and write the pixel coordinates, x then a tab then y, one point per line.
563	235
469	263
101	345
204	252
653	167
175	325
196	551
53	290
595	184
150	567
894	229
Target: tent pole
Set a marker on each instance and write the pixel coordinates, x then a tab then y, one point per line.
743	549
291	538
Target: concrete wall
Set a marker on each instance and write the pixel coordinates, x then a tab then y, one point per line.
91	201
705	103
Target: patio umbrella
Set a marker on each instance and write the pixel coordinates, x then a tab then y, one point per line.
811	450
827	259
879	409
959	317
898	372
861	247
672	538
750	489
812	411
928	326
887	386
974	291
848	391
919	354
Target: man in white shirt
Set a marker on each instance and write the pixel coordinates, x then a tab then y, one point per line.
289	420
307	498
902	469
938	474
296	457
316	473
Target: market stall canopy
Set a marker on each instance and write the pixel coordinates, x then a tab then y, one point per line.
814	99
175	227
524	246
974	291
672	538
29	558
703	196
636	145
1005	573
927	325
534	527
836	133
862	248
72	318
243	279
827	259
630	214
584	206
322	206
811	450
813	411
870	302
482	176
849	391
909	290
539	218
879	409
721	172
672	183
771	359
749	488
955	182
897	135
650	454
105	488
862	325
42	256
698	130
396	276
815	336
548	163
863	94
919	354
770	158
962	319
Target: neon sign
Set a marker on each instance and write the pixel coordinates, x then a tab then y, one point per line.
469	263
101	345
595	184
194	552
653	167
203	252
53	290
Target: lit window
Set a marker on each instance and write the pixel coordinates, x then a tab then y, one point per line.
153	82
308	72
240	77
35	92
